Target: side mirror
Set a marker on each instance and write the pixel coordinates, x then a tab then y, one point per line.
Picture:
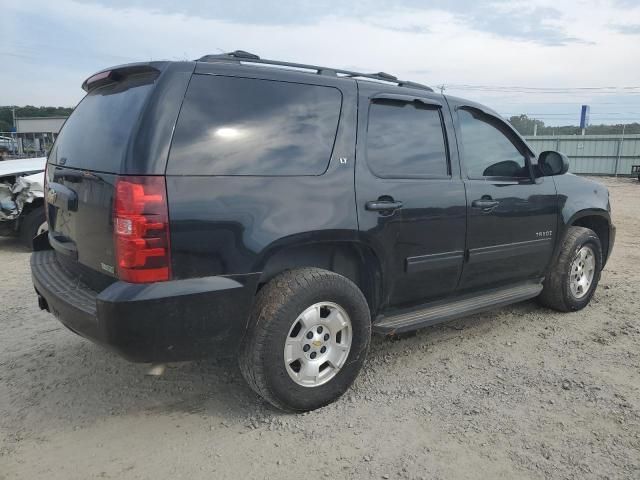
553	163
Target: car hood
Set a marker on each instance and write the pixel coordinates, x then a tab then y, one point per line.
26	165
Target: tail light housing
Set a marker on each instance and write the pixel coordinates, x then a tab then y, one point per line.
141	229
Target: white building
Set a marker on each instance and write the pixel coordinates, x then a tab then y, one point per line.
39	124
37	134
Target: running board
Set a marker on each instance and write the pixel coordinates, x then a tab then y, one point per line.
441	311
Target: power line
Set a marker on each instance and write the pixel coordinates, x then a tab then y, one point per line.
464	86
570	92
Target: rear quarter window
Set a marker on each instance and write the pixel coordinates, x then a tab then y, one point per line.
243	126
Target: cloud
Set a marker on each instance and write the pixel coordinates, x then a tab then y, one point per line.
633	29
627	3
501	17
536	24
50	48
417	29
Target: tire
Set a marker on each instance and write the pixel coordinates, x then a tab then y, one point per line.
557	290
278	309
30	225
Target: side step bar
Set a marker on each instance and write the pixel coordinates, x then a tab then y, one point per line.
441	311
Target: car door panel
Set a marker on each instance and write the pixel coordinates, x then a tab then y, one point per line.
511	222
512	241
421	242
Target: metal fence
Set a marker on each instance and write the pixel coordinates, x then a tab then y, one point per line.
20	145
593	154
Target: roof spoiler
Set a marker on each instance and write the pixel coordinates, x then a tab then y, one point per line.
116	74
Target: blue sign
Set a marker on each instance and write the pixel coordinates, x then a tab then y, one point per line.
584	116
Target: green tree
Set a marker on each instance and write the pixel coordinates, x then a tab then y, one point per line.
526	125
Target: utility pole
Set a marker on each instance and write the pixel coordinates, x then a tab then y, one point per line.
13	110
442	88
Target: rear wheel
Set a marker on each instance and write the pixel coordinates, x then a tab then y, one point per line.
307	339
572	281
33	224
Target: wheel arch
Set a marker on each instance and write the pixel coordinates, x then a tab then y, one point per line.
352	259
597	220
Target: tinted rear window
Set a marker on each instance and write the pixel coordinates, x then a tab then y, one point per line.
242	126
96	135
406	140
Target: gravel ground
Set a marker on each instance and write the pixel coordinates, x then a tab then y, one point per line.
521	392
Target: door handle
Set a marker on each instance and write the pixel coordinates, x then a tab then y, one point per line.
382	205
485	203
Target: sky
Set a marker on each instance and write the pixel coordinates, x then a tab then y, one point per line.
543	58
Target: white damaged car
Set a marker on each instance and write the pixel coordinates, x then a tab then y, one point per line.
22	198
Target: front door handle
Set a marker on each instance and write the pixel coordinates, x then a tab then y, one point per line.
484	203
382	205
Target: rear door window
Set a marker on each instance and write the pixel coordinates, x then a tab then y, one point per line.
406	140
243	126
96	135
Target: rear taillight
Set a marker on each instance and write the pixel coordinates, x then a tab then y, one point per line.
141	229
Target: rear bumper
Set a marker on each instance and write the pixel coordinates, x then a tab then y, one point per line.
157	322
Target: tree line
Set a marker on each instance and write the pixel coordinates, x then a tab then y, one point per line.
526	126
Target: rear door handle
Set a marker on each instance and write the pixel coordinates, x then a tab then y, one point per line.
382	205
484	203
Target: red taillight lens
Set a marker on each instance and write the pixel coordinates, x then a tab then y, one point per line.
141	229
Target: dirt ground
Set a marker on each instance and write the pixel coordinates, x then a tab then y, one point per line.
521	392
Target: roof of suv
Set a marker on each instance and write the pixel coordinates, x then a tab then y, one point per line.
249	60
242	57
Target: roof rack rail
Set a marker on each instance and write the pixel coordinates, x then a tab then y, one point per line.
247	57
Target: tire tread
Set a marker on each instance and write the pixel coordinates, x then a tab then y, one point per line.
553	294
269	300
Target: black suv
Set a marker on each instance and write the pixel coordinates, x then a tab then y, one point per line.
288	211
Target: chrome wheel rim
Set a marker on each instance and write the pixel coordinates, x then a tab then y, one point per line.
318	344
42	228
583	269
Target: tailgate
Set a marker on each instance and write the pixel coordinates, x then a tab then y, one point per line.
82	169
79	209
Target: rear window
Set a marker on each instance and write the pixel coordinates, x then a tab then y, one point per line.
242	126
96	134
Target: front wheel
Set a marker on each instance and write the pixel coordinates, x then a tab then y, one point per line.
573	279
307	339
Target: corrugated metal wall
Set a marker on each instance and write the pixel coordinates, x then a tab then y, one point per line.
594	154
